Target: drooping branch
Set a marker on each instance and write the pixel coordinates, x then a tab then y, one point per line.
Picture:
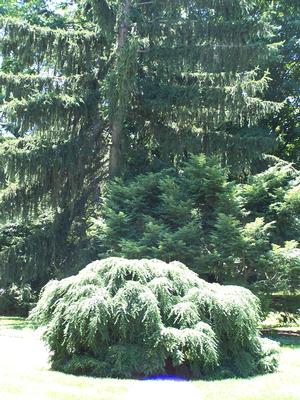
24	85
72	50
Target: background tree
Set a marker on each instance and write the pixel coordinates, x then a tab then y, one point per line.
279	133
285	73
107	71
225	232
41	207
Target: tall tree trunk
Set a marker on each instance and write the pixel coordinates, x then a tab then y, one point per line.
116	153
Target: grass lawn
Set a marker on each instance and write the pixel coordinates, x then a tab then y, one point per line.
25	375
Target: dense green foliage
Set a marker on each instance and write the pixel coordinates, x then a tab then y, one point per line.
97	89
130	318
109	83
285	73
17	300
226	232
47	174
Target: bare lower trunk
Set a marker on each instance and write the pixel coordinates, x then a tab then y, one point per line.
115	158
116	153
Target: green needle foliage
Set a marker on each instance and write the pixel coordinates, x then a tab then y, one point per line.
133	318
106	85
226	232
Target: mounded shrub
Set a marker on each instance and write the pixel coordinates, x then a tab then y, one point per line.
133	318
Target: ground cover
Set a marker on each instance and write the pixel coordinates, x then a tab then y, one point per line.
25	374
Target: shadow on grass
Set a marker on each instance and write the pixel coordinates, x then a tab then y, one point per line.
16	323
285	340
18	326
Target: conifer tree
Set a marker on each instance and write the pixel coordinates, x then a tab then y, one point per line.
285	73
112	77
225	232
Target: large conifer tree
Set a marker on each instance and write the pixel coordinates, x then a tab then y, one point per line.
115	79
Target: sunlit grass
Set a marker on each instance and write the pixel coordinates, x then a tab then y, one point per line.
9	320
25	375
282	385
15	323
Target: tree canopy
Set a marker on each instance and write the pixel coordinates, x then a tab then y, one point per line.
118	87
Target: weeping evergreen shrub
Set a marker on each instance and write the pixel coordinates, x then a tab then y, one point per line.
133	318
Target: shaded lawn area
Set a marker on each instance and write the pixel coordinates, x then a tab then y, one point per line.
25	374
